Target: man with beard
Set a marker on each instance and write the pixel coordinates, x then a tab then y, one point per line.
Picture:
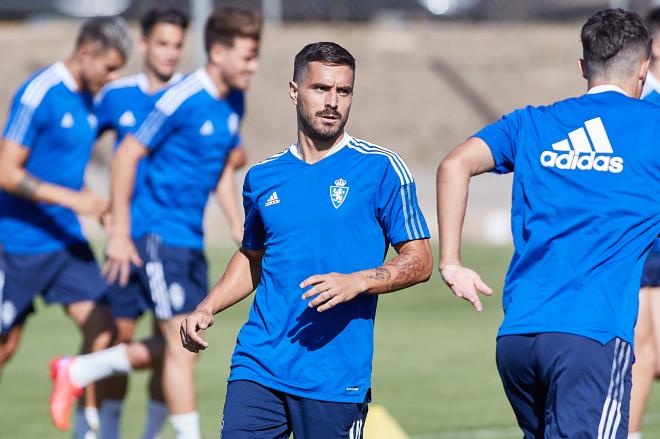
157	237
328	204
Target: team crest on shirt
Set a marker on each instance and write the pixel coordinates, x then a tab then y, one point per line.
338	192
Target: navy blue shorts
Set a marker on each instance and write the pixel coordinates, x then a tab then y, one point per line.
253	411
651	273
65	276
172	281
564	385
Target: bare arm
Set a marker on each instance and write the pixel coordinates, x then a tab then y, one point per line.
472	157
239	280
16	180
120	250
225	194
412	265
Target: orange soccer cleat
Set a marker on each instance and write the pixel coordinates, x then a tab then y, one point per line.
64	394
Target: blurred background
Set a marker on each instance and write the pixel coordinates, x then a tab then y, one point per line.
429	74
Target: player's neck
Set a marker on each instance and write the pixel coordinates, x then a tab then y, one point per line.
216	78
312	150
74	68
154	81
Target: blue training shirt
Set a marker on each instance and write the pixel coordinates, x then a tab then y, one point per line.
336	215
189	134
584	214
123	105
51	118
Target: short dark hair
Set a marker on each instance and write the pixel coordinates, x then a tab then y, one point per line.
229	22
653	21
158	15
109	32
613	42
325	52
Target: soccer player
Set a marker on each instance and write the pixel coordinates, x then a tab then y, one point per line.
582	227
46	146
156	241
122	106
320	217
647	329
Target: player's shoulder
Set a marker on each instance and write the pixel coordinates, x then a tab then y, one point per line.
118	86
378	157
270	162
33	91
177	94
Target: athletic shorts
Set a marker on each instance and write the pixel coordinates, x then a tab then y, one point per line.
65	276
253	411
651	273
564	385
172	281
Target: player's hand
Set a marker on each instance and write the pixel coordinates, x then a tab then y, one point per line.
191	329
465	283
119	254
85	202
331	289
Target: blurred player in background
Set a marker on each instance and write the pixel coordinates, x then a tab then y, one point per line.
46	146
582	229
647	329
156	241
328	204
122	106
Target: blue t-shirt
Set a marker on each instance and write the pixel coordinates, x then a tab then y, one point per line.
189	134
337	215
584	214
123	105
54	120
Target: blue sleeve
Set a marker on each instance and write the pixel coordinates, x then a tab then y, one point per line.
236	101
502	139
155	128
254	234
397	207
25	120
102	105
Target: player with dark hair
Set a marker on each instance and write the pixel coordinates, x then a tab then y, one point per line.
46	146
326	205
156	241
121	107
582	229
647	329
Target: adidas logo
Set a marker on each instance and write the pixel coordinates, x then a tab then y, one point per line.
273	199
207	129
67	121
127	119
581	156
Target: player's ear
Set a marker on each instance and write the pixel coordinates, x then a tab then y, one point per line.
582	68
142	45
293	92
643	69
216	54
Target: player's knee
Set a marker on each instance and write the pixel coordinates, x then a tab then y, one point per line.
7	349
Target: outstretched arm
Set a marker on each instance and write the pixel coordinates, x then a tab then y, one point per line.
472	157
412	265
239	280
14	178
120	250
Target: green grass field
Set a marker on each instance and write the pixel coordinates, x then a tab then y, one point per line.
434	365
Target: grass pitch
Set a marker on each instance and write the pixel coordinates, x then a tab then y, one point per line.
434	367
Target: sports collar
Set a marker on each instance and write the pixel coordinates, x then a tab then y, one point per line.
606	87
65	75
342	143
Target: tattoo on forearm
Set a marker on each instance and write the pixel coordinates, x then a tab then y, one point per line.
408	266
27	187
380	274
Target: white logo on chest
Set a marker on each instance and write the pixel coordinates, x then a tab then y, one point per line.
67	120
127	119
338	192
207	129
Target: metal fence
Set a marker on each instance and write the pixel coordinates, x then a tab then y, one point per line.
335	10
